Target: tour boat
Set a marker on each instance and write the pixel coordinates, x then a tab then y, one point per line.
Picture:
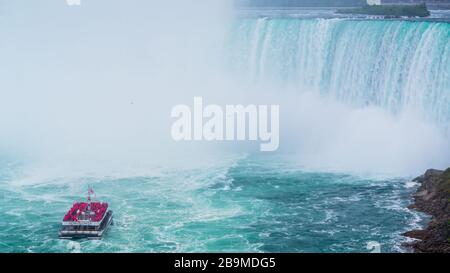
86	220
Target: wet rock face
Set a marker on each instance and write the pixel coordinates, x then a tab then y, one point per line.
433	198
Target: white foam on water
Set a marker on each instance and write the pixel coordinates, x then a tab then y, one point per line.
411	184
73	247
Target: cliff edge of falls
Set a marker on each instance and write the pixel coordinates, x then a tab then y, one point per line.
433	198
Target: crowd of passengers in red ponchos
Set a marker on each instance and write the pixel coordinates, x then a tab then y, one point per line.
78	208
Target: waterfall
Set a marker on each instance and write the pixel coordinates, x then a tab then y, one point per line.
397	65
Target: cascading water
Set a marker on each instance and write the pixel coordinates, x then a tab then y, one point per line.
397	65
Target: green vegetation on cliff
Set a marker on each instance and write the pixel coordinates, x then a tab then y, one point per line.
390	10
300	3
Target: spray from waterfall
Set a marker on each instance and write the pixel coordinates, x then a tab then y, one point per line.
367	95
90	88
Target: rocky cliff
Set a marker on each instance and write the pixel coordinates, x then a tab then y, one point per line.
433	198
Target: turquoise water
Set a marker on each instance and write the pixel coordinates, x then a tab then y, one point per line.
251	202
255	203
